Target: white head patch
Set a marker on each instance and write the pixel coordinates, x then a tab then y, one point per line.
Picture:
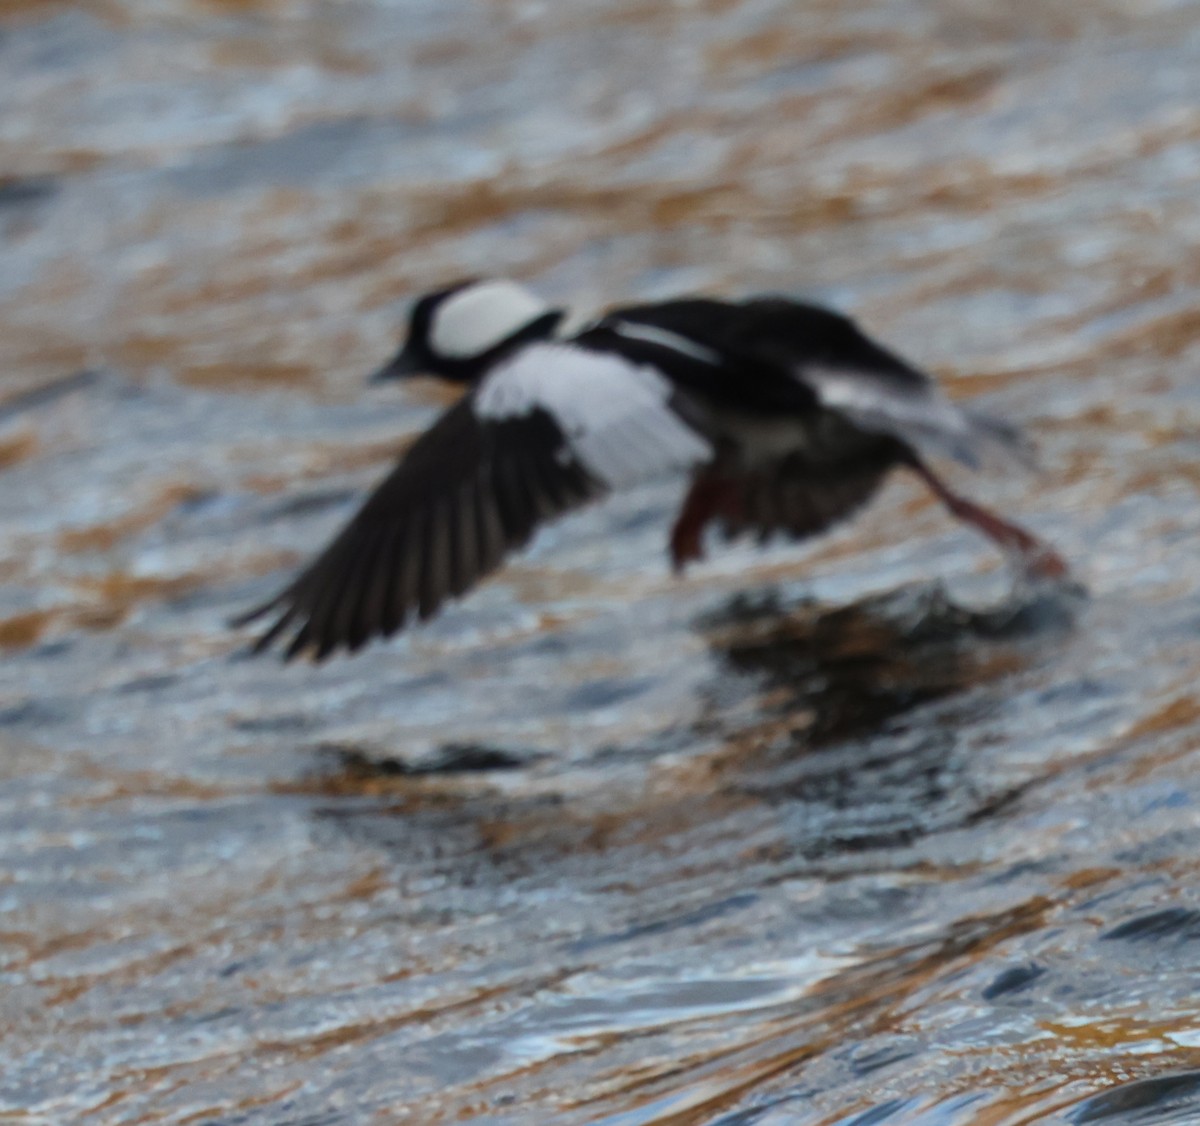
476	319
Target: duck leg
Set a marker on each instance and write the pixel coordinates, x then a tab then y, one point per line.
1037	559
709	496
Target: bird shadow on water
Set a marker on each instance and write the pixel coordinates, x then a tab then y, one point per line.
847	719
865	710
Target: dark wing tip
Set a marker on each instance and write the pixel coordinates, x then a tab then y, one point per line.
465	495
287	609
247	617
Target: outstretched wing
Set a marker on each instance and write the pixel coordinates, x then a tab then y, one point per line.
789	498
545	432
875	389
768	342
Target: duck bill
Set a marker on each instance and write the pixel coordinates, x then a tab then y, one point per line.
401	366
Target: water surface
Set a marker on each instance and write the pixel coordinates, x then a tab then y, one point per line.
846	833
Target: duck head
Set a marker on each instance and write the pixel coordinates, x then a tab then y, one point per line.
458	333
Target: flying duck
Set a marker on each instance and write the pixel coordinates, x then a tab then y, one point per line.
785	415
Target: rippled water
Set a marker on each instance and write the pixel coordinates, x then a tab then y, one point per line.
838	834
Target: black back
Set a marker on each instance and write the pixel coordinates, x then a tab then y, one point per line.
761	344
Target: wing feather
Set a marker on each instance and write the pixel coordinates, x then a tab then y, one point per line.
408	580
464	550
792	499
917	413
779	354
549	430
354	591
490	529
373	610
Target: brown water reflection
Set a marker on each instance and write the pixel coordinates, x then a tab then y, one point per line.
801	839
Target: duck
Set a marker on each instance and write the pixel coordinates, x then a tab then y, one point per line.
784	417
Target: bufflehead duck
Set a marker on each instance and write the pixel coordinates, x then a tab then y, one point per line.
786	415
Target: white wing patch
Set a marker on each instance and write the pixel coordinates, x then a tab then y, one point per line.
615	414
481	316
665	338
921	415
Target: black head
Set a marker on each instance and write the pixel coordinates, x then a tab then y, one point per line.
459	332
